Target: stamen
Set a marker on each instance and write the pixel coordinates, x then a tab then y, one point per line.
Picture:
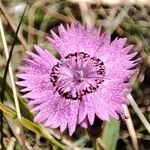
78	75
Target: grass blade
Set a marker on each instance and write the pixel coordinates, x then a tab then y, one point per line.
36	128
138	112
2	95
8	62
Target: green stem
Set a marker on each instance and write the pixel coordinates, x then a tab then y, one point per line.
95	145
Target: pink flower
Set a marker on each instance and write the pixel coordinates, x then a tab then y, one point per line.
90	80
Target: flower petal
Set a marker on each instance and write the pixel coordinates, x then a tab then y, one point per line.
86	108
78	39
58	112
36	74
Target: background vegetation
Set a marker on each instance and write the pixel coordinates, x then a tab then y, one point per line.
123	19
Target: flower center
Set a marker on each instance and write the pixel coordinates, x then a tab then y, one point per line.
77	75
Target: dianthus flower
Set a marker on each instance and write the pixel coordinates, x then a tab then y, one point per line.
90	80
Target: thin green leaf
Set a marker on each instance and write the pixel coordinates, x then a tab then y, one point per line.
10	55
36	128
5	76
110	134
